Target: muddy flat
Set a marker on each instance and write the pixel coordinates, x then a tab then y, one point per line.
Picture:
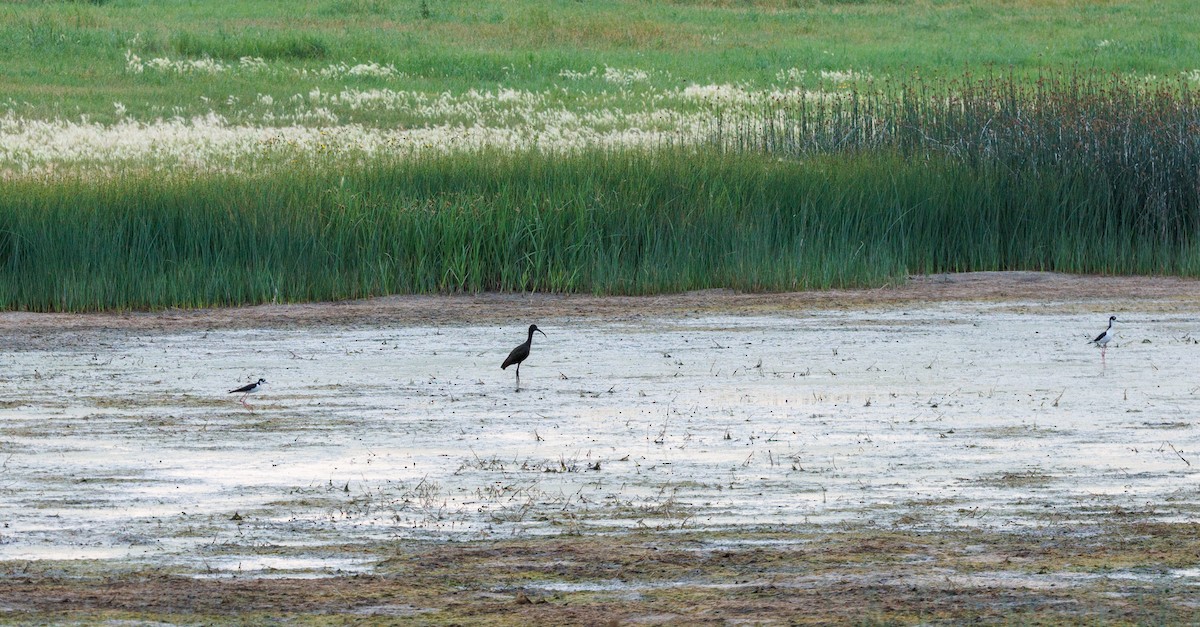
944	450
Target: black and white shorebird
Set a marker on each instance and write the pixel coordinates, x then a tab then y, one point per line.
520	353
1103	339
248	389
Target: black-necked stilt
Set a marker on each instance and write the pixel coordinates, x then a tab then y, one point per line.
248	389
1103	339
521	352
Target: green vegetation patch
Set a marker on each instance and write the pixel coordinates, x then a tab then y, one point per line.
264	45
609	222
232	153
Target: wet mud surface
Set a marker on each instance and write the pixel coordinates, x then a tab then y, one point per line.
960	454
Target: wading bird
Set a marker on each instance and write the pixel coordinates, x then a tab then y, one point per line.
247	390
1103	339
520	353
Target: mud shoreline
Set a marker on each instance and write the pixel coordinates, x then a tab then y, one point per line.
1061	291
942	451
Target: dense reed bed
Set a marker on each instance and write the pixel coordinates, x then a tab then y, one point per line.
1092	174
1133	141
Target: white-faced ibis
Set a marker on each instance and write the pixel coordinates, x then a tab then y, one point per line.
520	353
248	389
1103	339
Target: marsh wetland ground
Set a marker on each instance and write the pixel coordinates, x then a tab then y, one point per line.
291	188
945	450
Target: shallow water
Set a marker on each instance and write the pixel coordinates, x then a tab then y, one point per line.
125	445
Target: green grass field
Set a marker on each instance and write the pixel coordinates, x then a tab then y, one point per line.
207	153
68	58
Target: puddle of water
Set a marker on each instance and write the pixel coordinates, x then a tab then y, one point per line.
1187	573
261	566
57	552
616	585
949	415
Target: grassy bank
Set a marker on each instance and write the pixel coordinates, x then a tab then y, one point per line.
435	46
1074	172
224	153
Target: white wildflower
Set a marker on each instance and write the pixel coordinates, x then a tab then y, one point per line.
718	93
577	76
839	76
370	69
790	75
624	77
133	63
252	64
203	65
373	69
311	125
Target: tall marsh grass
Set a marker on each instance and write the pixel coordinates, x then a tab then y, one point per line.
1134	143
1077	174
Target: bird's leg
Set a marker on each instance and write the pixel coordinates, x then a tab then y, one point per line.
518	377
